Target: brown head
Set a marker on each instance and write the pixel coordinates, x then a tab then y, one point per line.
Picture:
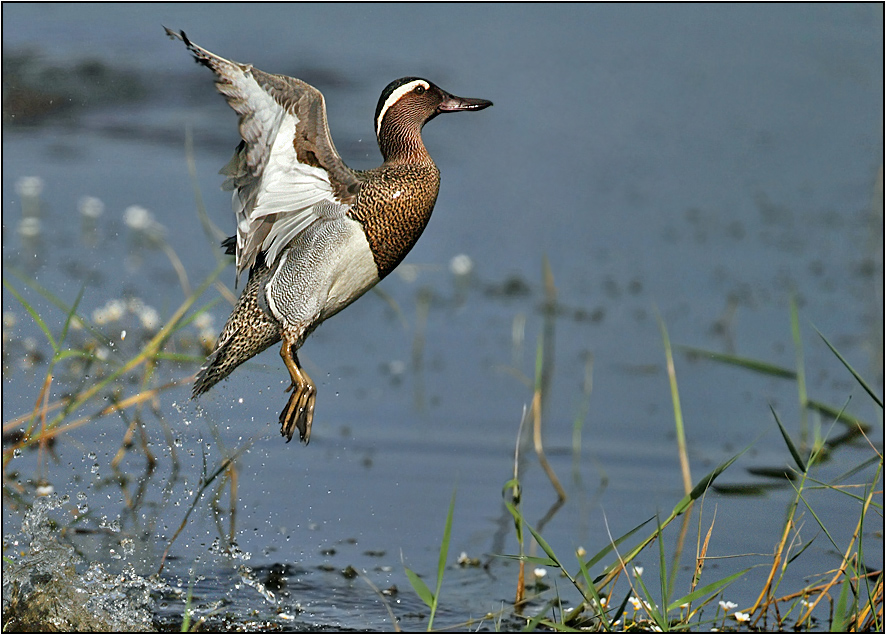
404	107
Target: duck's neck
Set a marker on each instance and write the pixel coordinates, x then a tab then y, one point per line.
401	145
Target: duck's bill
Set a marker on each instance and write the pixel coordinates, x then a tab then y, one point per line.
455	104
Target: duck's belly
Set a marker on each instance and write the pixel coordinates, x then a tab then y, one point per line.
352	273
328	266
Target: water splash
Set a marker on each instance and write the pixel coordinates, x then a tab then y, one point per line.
42	590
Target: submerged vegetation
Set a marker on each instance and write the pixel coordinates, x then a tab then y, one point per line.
678	587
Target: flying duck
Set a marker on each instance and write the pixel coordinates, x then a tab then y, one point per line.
314	234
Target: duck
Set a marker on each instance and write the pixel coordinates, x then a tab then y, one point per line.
313	234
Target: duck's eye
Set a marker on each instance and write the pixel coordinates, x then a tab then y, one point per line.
419	90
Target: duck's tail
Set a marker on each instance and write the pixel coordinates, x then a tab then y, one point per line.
248	332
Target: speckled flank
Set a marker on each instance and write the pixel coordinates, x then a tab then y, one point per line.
248	332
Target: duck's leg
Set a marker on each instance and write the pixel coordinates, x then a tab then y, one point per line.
299	410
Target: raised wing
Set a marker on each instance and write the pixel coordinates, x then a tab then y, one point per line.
286	173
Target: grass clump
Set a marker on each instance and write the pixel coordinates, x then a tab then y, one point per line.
617	597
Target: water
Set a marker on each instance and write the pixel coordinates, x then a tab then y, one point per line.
699	163
41	586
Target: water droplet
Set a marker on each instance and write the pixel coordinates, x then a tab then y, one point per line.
110	525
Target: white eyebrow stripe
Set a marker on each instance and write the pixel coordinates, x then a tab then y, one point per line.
395	97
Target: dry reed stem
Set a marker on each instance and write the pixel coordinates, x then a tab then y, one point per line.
384	600
127	439
13	423
232	477
41	398
120	405
863	617
147	354
848	557
222	288
701	553
775	562
539	447
179	268
43	443
520	596
678	410
193	506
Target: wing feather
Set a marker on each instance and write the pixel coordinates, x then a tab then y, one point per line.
286	169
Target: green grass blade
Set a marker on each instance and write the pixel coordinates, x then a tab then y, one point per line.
421	589
858	378
592	591
441	563
185	321
34	315
662	567
744	362
709	589
805	546
855	470
72	313
839	415
801	464
840	620
545	546
821	524
541	618
678	410
536	560
186	620
801	369
702	486
615	543
650	606
73	353
508	490
52	298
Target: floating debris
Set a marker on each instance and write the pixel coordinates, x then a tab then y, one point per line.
90	207
29	187
461	265
144	226
30	227
112	311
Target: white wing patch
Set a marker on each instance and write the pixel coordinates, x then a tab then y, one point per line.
290	189
275	197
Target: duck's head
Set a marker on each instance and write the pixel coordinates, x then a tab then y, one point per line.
405	106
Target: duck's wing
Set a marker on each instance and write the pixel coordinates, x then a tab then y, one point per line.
286	173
